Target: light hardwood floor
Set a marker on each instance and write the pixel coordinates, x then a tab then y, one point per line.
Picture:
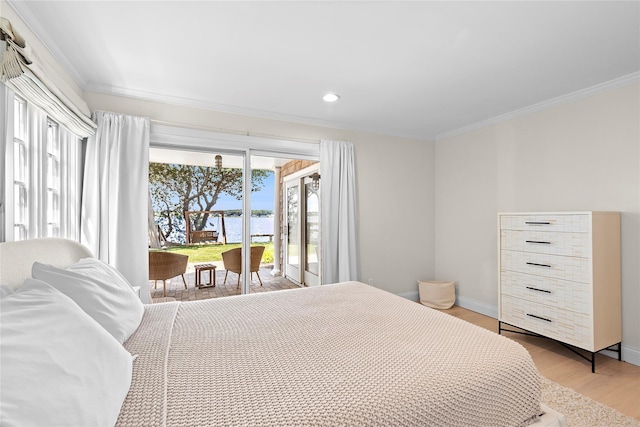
616	384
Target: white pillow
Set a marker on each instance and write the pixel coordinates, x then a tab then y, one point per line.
5	290
59	367
100	290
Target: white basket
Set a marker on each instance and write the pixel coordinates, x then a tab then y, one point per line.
436	294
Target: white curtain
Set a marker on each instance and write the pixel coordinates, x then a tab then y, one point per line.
70	183
115	195
6	107
340	260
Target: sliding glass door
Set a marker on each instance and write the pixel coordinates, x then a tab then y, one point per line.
312	232
293	230
254	163
302	230
195	208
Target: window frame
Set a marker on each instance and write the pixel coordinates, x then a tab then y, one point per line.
53	187
47	144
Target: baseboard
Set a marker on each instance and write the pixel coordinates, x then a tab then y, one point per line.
467	303
478	307
629	354
411	296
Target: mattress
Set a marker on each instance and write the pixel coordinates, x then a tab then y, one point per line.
344	354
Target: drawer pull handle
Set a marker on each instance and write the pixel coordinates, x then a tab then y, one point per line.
539	265
539	290
538	317
537	222
538	241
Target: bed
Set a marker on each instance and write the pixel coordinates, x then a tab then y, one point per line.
344	354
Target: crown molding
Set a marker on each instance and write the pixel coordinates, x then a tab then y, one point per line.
206	105
545	105
232	109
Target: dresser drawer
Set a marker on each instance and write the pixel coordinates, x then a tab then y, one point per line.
578	223
556	293
563	325
546	242
558	267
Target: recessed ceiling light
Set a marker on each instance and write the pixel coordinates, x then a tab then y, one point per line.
331	97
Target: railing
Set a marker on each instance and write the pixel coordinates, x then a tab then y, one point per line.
270	236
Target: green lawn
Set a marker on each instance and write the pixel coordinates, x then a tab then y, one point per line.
205	253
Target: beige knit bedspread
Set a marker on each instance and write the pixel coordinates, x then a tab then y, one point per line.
337	355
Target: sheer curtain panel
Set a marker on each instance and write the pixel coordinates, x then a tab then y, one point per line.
115	195
340	260
6	113
70	182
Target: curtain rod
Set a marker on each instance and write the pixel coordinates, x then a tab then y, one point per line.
234	132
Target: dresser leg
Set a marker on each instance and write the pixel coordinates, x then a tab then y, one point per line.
593	362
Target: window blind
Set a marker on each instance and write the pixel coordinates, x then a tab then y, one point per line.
20	70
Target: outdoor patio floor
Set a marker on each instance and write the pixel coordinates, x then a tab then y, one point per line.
175	286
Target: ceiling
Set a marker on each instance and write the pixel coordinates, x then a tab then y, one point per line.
415	69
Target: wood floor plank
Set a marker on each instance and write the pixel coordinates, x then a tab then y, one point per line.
615	384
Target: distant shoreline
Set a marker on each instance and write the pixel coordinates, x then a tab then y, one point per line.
233	227
257	213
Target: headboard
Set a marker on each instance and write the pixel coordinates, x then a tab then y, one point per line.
16	258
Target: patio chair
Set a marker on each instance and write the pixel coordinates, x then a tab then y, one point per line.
232	260
166	265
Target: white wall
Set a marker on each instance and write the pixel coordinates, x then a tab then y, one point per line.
584	155
395	185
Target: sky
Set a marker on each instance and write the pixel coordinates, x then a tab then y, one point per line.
260	200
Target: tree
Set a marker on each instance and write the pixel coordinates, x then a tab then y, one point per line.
179	188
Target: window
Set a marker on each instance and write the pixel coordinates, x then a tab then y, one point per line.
20	171
42	162
53	180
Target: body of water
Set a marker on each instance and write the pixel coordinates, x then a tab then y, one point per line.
233	225
259	225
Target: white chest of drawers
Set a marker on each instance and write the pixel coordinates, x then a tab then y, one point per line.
560	277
